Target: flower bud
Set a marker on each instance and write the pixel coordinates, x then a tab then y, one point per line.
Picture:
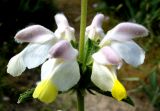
64	31
95	31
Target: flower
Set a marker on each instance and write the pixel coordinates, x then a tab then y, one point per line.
40	41
64	31
119	41
95	31
117	46
61	71
105	78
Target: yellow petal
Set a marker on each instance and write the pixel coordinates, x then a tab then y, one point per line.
118	91
46	91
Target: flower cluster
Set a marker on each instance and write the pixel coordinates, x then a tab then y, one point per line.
60	70
115	47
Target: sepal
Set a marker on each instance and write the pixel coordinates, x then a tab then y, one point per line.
26	96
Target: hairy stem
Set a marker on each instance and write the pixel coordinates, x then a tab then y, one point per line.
82	28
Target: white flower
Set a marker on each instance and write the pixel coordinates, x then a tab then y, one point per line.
105	78
59	73
116	47
95	31
40	41
119	39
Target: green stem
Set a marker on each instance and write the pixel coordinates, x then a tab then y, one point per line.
80	96
80	101
82	28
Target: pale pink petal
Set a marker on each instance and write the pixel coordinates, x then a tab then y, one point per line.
34	34
63	49
107	56
127	31
124	32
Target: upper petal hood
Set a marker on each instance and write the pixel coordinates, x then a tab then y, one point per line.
63	49
34	34
124	32
107	56
130	52
32	56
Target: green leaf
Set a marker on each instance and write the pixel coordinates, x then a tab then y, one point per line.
148	91
27	95
74	44
153	79
90	48
156	96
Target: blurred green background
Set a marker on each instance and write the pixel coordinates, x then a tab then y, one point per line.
142	83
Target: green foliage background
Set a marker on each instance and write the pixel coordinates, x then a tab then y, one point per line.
17	14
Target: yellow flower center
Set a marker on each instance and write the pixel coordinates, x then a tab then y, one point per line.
45	91
118	91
